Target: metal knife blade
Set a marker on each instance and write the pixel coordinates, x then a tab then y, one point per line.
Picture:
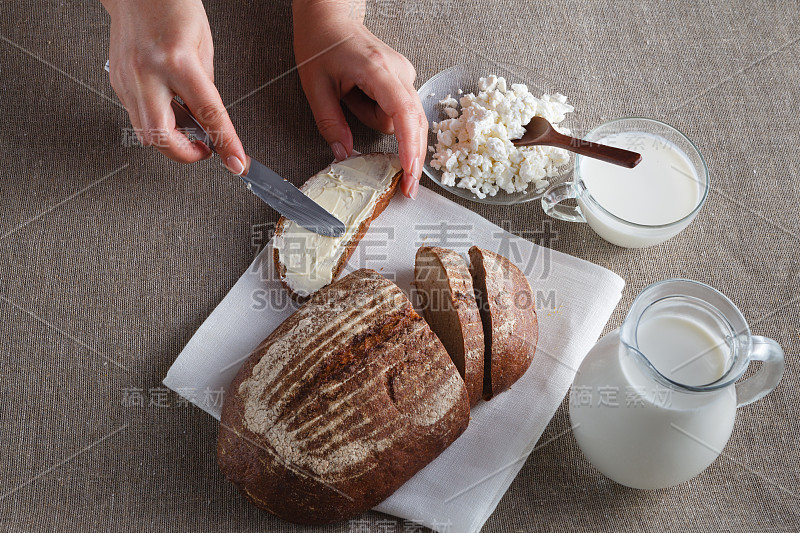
290	201
275	191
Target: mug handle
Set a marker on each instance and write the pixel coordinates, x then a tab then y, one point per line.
768	376
554	196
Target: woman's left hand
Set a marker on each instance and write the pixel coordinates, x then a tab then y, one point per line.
340	60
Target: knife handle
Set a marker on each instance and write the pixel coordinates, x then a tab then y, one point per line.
184	120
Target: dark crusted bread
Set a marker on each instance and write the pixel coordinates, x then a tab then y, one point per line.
508	311
340	405
386	170
447	298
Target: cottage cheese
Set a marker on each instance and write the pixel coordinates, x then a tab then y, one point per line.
474	150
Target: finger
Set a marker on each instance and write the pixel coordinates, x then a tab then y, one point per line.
411	184
404	110
133	115
205	103
207	59
158	125
323	97
176	145
406	74
129	103
368	111
423	145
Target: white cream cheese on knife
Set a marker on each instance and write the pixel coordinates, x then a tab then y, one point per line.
348	190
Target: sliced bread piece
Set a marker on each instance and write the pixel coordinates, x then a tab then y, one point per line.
356	191
346	400
447	298
508	311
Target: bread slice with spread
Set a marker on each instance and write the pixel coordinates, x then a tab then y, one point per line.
356	191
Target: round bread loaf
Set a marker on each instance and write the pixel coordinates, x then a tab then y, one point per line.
340	405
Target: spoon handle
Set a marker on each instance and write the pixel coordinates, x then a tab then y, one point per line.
609	154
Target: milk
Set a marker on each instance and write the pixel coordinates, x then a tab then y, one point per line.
682	350
661	190
652	435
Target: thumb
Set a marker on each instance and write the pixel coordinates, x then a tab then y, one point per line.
327	109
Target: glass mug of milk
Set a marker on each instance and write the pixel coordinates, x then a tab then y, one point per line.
654	402
637	207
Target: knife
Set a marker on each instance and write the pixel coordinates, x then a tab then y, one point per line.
265	183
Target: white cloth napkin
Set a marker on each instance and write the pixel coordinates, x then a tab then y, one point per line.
459	490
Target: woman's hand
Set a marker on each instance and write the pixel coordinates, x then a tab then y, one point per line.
340	60
163	48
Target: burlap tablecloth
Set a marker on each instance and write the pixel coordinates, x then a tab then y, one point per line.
111	256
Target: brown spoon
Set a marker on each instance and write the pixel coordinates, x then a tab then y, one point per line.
539	131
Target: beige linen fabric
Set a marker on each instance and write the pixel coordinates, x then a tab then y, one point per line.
111	256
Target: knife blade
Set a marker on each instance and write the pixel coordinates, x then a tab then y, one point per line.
266	184
290	201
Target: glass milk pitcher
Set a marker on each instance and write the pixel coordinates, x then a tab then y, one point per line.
654	402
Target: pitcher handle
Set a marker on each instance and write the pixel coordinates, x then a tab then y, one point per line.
768	376
554	196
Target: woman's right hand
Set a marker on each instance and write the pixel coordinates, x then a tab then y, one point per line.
163	48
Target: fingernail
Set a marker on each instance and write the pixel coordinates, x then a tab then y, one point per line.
234	164
414	189
415	170
338	151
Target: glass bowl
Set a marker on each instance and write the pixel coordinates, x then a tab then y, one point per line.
465	77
